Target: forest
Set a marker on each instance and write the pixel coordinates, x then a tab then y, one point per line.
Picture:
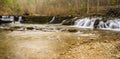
56	7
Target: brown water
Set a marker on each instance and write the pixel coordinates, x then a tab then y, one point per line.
84	44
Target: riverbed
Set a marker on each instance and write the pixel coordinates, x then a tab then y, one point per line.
59	42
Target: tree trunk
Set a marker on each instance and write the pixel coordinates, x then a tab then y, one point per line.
88	6
98	3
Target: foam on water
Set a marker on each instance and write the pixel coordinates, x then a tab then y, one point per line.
90	23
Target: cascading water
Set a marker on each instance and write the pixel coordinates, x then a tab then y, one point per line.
19	20
91	23
86	22
10	19
7	18
52	20
110	24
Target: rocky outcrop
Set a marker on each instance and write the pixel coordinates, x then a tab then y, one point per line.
69	21
60	19
96	23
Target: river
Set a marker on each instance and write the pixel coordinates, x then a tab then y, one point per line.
58	42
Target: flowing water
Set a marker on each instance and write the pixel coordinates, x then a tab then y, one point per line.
56	42
47	41
91	23
53	19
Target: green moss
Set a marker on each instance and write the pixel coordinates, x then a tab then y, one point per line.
8	1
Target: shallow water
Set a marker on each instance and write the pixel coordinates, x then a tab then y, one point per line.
84	44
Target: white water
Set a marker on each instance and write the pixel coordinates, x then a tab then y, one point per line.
89	23
52	19
7	18
17	23
19	20
11	18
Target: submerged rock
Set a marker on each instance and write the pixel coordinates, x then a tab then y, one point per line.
29	28
72	30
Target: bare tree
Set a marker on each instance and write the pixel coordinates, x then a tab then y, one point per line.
88	6
98	3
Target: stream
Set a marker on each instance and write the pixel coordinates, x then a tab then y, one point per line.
50	41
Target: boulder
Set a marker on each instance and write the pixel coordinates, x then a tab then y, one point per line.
69	21
29	28
96	23
72	30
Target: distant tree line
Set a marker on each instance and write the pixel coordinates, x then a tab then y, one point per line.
56	7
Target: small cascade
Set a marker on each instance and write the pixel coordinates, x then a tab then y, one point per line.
86	22
110	24
10	19
7	18
19	20
63	21
53	19
98	23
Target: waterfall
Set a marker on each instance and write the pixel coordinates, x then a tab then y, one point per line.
7	18
11	19
94	23
86	22
19	20
110	25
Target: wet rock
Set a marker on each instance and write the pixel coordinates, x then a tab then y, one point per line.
37	19
63	30
69	21
38	28
26	14
91	39
58	28
96	23
59	19
29	28
72	30
21	29
16	27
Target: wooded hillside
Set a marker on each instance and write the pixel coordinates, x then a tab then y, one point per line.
56	7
